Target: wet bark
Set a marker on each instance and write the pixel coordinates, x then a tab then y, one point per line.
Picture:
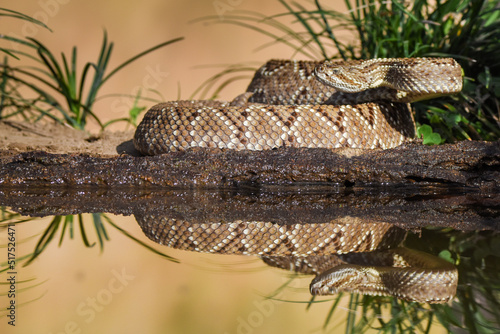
408	208
469	164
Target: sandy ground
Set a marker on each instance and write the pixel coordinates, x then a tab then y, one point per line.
16	137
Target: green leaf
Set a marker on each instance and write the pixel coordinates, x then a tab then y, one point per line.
429	137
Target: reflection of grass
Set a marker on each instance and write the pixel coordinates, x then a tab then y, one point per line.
22	286
11	262
8	218
67	225
55	87
382	314
466	30
387	315
479	297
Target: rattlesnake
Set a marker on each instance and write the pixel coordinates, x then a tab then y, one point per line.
358	104
286	105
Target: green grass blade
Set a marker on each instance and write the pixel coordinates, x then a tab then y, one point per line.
19	41
51	63
100	230
68	223
19	15
329	32
46	238
351	316
59	78
128	235
83	233
47	98
332	310
308	27
3	88
99	70
9	53
139	55
208	84
71	74
83	78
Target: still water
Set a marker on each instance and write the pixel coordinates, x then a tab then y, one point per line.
250	260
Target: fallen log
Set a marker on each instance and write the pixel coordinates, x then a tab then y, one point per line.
471	164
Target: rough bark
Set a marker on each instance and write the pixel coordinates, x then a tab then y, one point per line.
466	164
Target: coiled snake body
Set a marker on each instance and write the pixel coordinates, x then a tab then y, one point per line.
358	104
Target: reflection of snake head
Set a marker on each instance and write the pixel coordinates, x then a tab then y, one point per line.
401	272
347	277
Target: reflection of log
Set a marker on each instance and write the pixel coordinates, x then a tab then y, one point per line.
473	164
368	261
409	208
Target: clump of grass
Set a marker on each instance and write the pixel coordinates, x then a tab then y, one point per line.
59	89
467	30
55	87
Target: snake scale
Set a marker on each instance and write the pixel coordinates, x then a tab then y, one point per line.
330	104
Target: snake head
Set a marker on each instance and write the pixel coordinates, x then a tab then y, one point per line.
344	77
